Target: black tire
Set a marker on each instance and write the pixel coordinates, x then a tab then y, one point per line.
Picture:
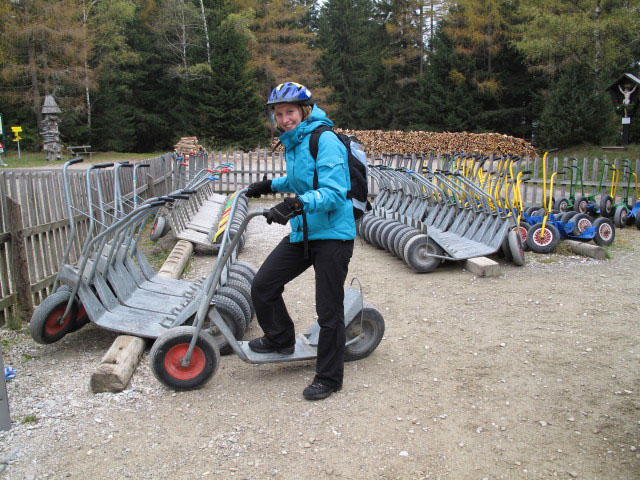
232	315
505	251
543	243
383	235
539	212
405	239
390	239
569	215
621	216
248	266
581	222
529	211
370	323
157	228
244	287
242	271
239	299
606	206
373	232
515	244
581	204
417	253
45	325
398	238
605	232
169	349
562	205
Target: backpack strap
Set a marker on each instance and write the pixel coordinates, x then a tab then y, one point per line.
313	149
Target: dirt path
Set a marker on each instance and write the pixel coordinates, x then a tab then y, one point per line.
530	375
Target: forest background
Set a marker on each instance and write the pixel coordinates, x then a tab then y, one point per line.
135	75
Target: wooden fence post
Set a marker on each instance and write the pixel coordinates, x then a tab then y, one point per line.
151	190
18	256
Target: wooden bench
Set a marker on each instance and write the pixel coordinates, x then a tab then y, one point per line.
81	150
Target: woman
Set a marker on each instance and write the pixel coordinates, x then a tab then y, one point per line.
322	233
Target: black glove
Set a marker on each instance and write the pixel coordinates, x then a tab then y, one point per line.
259	188
283	211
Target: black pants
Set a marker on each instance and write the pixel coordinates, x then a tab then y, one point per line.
330	260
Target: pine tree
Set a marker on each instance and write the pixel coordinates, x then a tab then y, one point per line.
574	111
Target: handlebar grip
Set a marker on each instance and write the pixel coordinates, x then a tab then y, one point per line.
126	164
166	198
75	160
188	191
553	150
104	165
179	197
157	204
142	165
527	172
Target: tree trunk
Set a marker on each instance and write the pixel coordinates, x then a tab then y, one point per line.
87	93
206	32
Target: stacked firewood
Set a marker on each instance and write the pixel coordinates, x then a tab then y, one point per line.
377	142
188	145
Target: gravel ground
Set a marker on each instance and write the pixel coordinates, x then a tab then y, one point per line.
533	374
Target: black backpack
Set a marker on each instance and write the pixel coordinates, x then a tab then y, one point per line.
357	168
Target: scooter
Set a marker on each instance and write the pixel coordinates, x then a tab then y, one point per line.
186	357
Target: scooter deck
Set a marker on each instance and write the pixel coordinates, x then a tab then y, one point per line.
303	351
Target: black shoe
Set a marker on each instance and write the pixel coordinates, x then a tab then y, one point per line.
318	391
264	345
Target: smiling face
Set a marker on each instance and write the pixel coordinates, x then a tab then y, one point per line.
287	115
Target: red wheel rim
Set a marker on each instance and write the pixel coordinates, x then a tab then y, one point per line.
583	224
51	326
82	312
543	240
153	229
582	207
175	355
605	231
523	233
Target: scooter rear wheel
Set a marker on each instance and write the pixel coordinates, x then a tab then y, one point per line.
368	323
516	246
168	351
620	217
605	232
418	253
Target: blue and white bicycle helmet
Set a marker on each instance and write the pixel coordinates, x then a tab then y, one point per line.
290	92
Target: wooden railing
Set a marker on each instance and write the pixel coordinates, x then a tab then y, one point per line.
34	225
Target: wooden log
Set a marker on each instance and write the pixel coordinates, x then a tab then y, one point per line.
117	366
587	249
177	259
18	256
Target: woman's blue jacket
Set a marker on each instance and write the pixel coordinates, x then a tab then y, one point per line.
329	212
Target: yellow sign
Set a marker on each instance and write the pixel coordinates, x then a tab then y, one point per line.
16	129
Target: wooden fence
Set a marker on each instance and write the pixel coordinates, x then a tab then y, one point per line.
34	224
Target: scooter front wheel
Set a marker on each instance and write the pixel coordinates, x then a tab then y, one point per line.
46	324
368	328
170	348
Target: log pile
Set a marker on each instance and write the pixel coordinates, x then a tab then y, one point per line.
188	145
378	142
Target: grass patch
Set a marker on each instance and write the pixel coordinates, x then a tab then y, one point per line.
17	318
30	159
26	357
587	150
8	342
563	249
547	260
29	419
156	252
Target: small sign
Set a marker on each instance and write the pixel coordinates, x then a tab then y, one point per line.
1	147
16	129
626	120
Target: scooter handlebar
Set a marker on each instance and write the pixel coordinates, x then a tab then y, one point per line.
142	165
75	160
179	197
103	165
188	191
125	164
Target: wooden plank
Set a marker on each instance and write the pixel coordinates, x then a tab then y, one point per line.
18	256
